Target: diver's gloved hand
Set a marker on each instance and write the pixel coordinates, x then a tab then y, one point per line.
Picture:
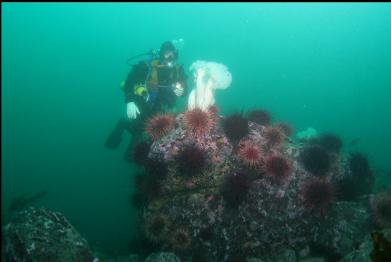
132	110
178	89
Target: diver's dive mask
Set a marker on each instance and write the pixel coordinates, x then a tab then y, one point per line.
169	58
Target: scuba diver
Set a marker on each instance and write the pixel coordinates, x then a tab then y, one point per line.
152	86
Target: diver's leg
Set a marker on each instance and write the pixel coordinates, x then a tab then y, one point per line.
135	129
115	137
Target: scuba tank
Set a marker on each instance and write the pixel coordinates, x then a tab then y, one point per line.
153	54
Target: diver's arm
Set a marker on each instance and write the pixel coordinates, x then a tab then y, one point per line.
138	74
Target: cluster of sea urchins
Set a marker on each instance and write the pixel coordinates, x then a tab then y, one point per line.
317	193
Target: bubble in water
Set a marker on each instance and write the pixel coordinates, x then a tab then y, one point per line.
178	43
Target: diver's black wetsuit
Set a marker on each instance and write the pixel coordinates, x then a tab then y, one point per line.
159	80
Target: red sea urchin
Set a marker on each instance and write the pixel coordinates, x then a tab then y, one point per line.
160	125
180	240
197	122
250	154
156	228
213	110
274	136
278	167
285	128
318	195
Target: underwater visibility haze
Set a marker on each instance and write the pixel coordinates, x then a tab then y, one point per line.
294	125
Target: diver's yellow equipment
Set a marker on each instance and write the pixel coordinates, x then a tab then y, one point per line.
153	74
140	90
122	85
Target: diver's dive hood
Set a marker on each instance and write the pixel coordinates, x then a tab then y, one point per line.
168	46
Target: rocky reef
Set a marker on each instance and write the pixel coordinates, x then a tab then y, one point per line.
220	188
234	188
43	235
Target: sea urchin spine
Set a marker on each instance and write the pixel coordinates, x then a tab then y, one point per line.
278	167
197	122
318	195
250	154
160	125
274	136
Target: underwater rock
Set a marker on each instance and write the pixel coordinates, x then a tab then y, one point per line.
43	235
362	254
22	201
288	255
254	259
313	259
162	257
381	245
271	212
341	230
376	247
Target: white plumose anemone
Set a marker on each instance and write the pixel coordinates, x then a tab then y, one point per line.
208	76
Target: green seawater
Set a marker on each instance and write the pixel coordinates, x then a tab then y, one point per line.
320	65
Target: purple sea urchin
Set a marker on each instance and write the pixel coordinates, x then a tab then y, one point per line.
235	127
330	142
278	167
260	117
235	188
316	160
318	195
191	160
